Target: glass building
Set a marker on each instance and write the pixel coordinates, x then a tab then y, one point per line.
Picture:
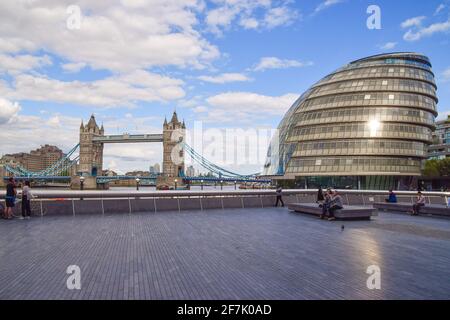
367	125
440	148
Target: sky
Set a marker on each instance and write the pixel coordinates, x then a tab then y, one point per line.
221	64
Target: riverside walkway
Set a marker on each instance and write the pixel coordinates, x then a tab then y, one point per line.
261	253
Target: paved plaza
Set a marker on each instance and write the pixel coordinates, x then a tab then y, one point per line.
224	254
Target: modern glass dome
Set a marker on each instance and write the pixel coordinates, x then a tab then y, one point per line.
372	117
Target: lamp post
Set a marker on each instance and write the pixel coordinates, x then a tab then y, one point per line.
221	184
201	183
235	184
137	184
176	180
81	183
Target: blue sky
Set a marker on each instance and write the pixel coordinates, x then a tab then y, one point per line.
227	63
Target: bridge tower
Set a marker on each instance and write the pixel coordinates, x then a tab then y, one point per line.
173	154
91	156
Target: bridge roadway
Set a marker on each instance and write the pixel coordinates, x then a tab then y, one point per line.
268	253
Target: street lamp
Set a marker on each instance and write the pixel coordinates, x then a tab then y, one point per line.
221	184
235	184
176	180
201	181
81	183
137	184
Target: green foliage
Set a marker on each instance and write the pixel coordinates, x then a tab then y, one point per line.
437	167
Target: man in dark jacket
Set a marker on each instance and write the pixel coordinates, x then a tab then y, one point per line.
10	198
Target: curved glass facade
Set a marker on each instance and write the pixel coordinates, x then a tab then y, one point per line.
372	117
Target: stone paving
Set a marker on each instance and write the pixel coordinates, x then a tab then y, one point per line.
224	254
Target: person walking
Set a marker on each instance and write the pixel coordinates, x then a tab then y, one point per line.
279	196
26	200
336	204
10	198
420	202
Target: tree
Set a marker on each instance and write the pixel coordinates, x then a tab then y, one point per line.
437	167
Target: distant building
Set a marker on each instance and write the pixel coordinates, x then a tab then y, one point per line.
190	171
441	140
109	173
155	169
138	173
36	160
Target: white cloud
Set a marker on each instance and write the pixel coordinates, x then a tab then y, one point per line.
412	22
248	14
420	32
114	36
249	23
246	106
439	9
446	74
114	91
8	110
200	109
22	63
225	78
73	67
276	63
326	4
279	16
388	45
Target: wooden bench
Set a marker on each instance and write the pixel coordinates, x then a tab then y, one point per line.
347	213
427	210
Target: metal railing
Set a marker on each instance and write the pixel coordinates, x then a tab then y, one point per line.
101	194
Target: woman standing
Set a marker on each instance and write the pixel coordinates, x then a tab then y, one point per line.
10	198
26	198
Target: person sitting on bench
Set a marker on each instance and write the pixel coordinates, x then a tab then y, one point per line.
320	197
420	202
392	197
326	203
335	204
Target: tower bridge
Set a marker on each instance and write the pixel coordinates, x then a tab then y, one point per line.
93	139
86	167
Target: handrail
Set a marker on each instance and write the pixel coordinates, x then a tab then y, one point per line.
100	194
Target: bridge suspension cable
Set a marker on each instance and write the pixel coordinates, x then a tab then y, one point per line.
60	166
205	163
